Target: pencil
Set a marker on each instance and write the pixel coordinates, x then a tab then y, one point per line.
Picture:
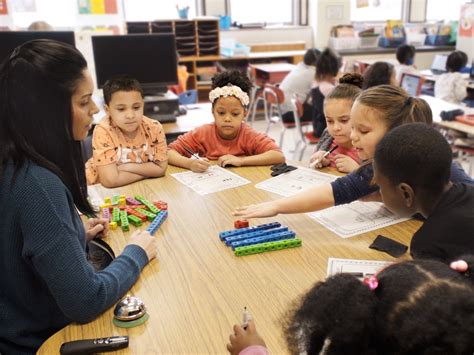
317	161
194	155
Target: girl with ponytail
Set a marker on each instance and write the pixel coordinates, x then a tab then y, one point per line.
375	112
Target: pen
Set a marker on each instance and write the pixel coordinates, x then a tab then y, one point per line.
245	318
317	161
194	155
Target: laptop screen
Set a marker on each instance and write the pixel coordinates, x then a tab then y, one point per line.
410	83
439	63
471	73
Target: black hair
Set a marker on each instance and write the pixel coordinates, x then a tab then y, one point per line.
418	307
120	83
456	61
328	63
416	154
233	77
405	52
311	56
349	87
36	86
376	74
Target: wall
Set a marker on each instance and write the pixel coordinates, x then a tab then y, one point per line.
269	35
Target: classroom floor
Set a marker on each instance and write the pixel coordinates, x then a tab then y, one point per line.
289	145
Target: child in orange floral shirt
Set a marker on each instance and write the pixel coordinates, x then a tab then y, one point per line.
126	145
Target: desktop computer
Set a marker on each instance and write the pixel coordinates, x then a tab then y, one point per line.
163	108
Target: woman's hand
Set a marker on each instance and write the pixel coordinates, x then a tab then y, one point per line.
243	338
145	241
266	209
345	164
96	227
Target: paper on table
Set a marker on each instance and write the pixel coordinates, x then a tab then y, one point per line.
360	268
215	179
295	181
355	218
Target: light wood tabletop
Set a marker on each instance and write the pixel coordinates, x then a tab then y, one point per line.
196	289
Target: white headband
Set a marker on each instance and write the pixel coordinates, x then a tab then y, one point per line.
229	90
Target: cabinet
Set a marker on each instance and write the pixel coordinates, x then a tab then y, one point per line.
193	37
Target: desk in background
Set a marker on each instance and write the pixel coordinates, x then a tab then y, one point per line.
271	73
196	289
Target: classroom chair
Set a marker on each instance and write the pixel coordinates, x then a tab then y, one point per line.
188	97
301	139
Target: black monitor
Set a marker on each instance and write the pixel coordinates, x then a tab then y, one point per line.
471	72
9	40
149	58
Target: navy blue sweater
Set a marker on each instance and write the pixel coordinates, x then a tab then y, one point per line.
46	279
357	184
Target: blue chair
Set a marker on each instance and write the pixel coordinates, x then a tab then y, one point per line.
188	97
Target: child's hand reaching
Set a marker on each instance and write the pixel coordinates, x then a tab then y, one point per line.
199	165
243	338
229	159
317	156
345	164
265	209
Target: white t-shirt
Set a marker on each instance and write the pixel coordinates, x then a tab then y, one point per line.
298	82
451	87
403	68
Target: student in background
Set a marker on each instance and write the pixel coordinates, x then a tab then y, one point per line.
375	112
229	140
451	86
299	82
40	26
45	111
127	146
406	58
337	110
327	69
380	73
412	165
412	307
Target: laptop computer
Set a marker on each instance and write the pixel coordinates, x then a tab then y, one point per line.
439	64
412	83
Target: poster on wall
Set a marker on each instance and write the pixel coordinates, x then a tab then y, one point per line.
466	22
97	7
24	6
3	7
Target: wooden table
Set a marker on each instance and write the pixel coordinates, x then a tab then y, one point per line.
196	289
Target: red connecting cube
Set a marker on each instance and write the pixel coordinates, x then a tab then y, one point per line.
241	223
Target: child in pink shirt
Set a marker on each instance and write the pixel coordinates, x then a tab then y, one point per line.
337	109
229	140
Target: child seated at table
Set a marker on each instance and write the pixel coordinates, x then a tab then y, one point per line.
337	136
229	140
127	146
380	73
406	58
452	86
299	82
327	70
412	307
412	167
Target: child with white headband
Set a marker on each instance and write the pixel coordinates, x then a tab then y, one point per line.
229	140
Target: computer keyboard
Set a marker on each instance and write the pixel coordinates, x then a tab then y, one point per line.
163	118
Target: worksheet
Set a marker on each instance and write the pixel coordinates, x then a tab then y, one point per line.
295	181
358	268
355	218
215	179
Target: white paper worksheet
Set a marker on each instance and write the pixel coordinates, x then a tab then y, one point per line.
215	179
355	218
295	181
359	268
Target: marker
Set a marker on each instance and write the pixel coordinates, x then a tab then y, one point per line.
194	155
246	316
317	161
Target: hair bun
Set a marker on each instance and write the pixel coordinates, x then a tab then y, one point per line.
352	79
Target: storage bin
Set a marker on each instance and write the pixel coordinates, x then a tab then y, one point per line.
369	41
416	39
339	43
239	50
437	40
386	42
